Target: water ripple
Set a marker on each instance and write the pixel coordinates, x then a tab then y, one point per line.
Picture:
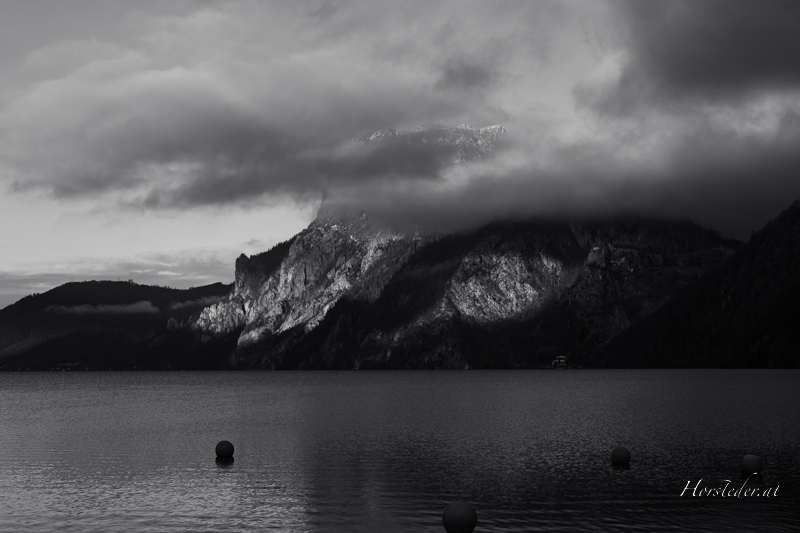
386	451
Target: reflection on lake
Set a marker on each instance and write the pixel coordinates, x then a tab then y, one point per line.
386	451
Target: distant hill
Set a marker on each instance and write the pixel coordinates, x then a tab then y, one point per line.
743	314
98	293
101	325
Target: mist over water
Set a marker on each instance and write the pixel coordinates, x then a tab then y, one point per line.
386	451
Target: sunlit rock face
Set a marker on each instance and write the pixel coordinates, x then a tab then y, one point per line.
340	250
496	286
348	292
326	260
508	277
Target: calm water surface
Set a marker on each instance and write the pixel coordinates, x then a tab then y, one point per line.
386	451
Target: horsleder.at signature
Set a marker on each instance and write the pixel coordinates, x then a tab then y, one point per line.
732	492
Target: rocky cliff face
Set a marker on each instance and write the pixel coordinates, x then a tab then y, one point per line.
346	293
339	252
349	293
343	252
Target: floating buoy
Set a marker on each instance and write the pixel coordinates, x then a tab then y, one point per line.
459	517
224	449
751	464
620	456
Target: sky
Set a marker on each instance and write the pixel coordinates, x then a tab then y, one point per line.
156	141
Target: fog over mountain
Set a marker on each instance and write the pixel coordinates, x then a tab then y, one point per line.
165	126
355	290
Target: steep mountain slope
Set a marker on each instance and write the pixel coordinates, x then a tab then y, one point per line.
342	251
745	313
349	294
316	267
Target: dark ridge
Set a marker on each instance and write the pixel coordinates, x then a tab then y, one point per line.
667	237
95	293
88	321
741	314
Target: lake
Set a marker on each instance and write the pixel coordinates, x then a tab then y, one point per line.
386	451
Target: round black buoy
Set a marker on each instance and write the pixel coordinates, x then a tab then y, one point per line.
224	449
751	464
459	517
620	456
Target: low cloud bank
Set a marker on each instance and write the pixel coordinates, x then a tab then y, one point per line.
198	302
143	307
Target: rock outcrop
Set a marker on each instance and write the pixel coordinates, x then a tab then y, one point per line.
308	274
342	252
350	294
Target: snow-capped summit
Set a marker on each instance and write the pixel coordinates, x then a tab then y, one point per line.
458	144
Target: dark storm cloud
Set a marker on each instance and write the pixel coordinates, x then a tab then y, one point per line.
706	50
185	144
728	181
392	160
234	103
295	171
246	103
733	182
462	74
708	91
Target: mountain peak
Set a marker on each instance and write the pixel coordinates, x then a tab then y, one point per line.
460	143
